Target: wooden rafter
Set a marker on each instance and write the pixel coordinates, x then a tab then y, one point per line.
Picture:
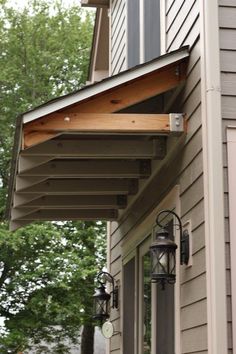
134	91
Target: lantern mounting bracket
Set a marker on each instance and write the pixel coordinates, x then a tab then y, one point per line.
184	236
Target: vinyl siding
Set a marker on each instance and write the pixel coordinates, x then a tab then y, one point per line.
227	22
190	178
118	36
182	27
182	23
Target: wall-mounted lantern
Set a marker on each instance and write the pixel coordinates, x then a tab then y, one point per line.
102	297
163	252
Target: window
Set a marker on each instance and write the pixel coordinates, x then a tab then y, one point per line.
149	312
145	313
156	308
151	29
129	306
133	33
143	31
165	309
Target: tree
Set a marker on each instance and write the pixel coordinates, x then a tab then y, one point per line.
46	270
44	53
47	283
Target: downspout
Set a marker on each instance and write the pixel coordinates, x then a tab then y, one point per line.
213	178
108	261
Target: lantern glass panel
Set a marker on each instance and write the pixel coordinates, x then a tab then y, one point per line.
162	264
172	263
159	263
101	308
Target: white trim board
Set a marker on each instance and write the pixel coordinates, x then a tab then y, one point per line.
231	153
213	178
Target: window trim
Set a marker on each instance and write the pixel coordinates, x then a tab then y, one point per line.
130	246
162	27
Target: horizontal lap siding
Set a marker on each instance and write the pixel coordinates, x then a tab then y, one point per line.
227	22
182	25
189	177
118	36
193	279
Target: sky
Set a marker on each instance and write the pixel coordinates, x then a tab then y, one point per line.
22	3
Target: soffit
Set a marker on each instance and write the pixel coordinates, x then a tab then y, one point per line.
79	157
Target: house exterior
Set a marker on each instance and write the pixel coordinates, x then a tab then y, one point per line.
155	129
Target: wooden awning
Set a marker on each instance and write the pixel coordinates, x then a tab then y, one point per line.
82	155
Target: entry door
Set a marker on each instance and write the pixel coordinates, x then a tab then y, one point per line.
156	309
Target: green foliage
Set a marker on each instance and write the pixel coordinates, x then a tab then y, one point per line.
47	281
47	270
44	53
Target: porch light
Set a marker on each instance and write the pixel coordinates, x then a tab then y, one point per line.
102	297
163	252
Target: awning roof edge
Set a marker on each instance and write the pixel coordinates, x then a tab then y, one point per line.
106	84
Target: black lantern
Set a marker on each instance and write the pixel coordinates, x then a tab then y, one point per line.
101	303
163	250
102	297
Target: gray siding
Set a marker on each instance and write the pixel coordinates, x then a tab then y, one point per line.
227	22
118	36
182	23
193	279
182	27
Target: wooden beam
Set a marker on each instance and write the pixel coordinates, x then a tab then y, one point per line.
96	148
71	202
69	214
94	123
36	136
92	169
77	186
135	91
